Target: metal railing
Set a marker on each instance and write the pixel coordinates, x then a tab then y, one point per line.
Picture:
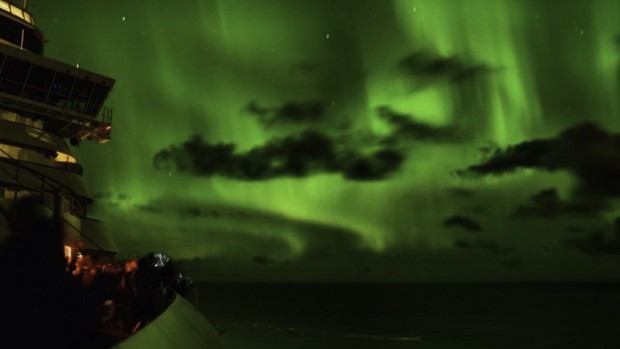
87	108
58	189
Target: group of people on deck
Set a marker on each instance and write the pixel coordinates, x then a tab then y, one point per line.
48	303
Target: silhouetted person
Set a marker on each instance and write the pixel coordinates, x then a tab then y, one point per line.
155	283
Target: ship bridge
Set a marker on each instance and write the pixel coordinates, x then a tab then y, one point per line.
69	100
17	27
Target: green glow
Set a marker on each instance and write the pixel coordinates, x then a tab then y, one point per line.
192	67
493	32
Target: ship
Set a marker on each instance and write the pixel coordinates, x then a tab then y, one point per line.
55	256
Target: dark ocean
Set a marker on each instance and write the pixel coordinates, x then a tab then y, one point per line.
394	316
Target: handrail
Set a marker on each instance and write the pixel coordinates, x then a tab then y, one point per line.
43	177
80	232
18	164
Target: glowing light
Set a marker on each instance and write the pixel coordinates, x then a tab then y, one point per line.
68	254
17	12
131	265
160	260
62	157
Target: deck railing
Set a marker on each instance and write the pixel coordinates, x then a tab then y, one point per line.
48	185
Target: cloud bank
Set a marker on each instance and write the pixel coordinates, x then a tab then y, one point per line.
311	152
588	152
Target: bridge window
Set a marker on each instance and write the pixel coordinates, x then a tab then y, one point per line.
38	83
63	157
40	77
15	70
44	84
62	84
17	12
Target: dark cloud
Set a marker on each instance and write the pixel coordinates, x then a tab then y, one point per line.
530	154
548	204
378	165
306	112
405	128
423	64
308	153
464	222
595	244
588	152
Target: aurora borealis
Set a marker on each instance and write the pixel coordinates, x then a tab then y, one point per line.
404	140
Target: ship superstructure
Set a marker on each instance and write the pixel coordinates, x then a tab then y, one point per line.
43	104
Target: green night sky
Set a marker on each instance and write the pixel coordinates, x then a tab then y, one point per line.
328	140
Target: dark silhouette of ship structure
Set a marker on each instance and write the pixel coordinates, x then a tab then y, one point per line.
63	286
